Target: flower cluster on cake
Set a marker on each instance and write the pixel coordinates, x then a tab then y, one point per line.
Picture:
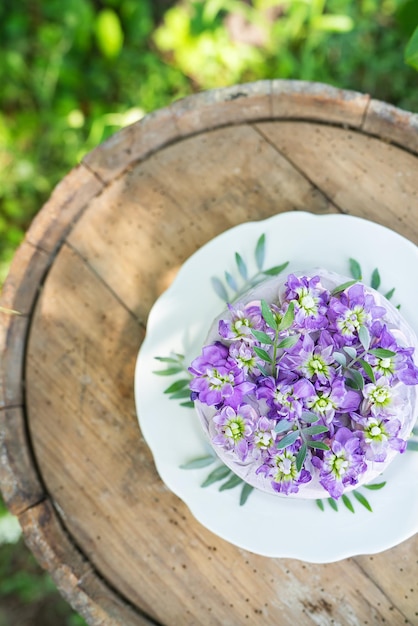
307	386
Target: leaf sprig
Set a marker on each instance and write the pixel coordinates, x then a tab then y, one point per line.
221	287
178	390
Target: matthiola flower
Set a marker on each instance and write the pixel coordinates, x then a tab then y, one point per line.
310	300
235	429
244	356
401	365
379	398
264	434
238	327
332	398
281	468
353	309
217	380
379	434
311	359
343	464
286	396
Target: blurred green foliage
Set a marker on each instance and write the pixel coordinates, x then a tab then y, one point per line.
74	72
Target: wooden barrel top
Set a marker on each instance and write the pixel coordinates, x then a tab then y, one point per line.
75	469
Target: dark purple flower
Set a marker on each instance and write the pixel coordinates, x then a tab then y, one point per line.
343	464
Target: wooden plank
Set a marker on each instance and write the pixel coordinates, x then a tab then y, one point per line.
69	198
13	330
399	580
78	584
236	104
131	144
392	124
20	484
142	228
317	102
361	175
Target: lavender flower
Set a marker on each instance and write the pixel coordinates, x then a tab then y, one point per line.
281	468
310	301
379	434
353	309
238	327
235	429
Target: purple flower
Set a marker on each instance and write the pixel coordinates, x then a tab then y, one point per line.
332	398
235	429
379	434
281	468
310	359
216	379
264	434
352	309
401	365
310	300
379	398
286	396
238	328
245	358
343	464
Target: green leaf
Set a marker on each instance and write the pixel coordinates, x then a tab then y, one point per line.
315	430
300	457
390	293
412	445
364	336
355	269
179	384
320	504
368	370
268	315
202	461
356	377
308	416
169	371
232	482
339	357
288	317
375	486
332	23
230	280
375	279
411	50
170	359
332	504
359	496
317	445
260	251
282	426
109	33
352	353
188	405
219	288
262	370
263	354
245	492
262	337
277	269
343	287
347	502
382	353
179	395
289	342
242	268
217	474
288	440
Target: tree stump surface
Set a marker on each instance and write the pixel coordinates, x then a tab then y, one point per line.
74	467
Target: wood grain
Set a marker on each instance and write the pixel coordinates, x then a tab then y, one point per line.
122	548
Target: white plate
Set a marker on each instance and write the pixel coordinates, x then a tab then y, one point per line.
270	525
